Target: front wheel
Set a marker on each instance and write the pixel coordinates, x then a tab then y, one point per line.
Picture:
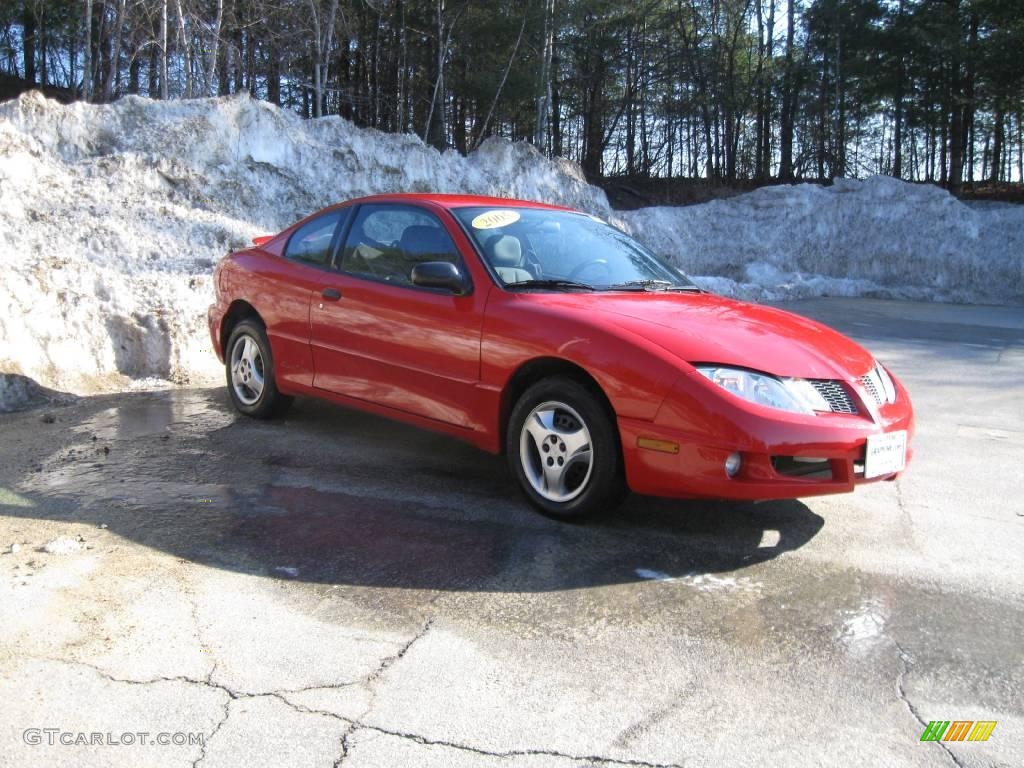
250	373
563	448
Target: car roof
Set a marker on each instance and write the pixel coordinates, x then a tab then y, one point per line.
459	201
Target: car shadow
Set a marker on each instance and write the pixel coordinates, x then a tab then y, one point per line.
333	496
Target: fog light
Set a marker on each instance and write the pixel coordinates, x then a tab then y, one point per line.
733	464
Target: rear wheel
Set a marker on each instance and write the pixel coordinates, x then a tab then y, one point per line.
563	448
250	372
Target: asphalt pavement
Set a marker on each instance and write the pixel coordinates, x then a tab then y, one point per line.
337	589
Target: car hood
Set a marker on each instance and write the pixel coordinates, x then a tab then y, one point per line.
705	328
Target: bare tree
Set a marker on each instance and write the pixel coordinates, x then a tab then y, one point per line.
186	49
504	78
544	91
211	53
323	41
163	50
115	51
87	69
437	100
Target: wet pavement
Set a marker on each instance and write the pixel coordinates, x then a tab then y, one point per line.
334	588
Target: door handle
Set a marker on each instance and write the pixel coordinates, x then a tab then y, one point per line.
331	294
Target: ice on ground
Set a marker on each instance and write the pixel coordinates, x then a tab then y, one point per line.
864	625
704	582
650	575
18	392
113	216
15	392
63	545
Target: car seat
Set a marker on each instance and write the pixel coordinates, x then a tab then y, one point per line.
505	254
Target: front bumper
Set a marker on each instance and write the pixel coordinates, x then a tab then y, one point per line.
707	428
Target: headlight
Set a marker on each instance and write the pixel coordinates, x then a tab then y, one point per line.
794	395
887	385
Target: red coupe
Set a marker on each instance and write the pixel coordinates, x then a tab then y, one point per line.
547	334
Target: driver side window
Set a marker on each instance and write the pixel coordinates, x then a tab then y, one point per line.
386	241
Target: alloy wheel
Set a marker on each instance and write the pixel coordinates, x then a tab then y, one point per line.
247	370
556	452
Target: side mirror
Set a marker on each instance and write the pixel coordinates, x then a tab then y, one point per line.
440	274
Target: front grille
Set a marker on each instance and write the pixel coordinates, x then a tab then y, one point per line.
835	394
802	467
873	385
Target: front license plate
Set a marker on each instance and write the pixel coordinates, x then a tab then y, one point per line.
885	454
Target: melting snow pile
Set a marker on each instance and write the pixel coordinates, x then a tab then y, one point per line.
879	237
112	218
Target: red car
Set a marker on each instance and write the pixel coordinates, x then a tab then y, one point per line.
546	334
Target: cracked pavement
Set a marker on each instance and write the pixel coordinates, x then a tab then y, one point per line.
338	590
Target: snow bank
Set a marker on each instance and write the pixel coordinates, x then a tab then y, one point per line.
112	217
878	237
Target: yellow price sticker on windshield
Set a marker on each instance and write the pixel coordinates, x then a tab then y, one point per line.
495	219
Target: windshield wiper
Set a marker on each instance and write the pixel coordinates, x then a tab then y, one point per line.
549	284
651	285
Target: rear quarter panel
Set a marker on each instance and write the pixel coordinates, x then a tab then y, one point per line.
277	290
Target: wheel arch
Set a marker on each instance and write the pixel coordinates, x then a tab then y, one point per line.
537	369
239	310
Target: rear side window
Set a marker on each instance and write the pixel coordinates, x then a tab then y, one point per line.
312	242
386	241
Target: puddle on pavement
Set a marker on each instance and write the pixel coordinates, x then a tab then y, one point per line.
330	536
143	417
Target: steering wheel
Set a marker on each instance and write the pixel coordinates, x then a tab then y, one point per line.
579	269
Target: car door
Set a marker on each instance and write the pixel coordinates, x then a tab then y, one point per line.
285	287
377	337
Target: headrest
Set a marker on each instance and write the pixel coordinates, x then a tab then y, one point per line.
505	251
423	240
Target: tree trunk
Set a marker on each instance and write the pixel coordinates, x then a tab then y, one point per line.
87	53
211	67
28	45
401	65
163	50
115	52
134	70
897	131
593	119
229	61
44	78
436	130
998	137
969	100
153	73
185	49
274	75
788	99
324	37
762	118
956	151
556	102
544	89
1020	146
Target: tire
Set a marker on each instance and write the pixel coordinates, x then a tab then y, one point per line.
249	368
563	448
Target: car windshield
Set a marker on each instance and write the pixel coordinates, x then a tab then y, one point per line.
565	250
